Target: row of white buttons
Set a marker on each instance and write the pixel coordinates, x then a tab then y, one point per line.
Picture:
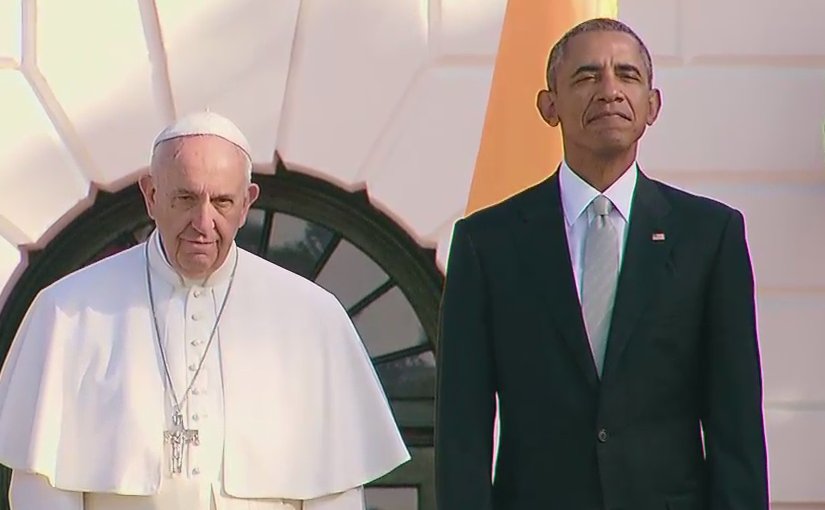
197	293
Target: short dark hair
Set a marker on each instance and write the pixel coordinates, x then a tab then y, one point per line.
594	25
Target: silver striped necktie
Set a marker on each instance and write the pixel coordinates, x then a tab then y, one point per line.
600	275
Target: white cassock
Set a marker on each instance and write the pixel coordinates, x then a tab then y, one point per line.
289	411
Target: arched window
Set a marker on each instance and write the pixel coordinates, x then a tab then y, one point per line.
389	285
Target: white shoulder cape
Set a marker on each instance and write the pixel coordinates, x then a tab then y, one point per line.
82	394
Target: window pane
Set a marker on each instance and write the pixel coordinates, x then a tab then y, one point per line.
410	377
389	324
414	413
124	241
296	244
249	236
391	498
350	274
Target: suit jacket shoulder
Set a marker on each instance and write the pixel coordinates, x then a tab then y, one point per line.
504	214
695	207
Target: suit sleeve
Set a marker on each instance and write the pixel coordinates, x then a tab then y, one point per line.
465	401
29	491
732	418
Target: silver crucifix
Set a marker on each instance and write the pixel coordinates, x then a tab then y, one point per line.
178	438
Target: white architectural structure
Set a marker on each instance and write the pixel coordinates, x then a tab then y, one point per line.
390	95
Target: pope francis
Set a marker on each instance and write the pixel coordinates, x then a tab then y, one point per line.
187	373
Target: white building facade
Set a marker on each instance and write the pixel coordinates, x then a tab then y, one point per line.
377	107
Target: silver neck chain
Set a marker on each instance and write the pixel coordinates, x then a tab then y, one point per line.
179	403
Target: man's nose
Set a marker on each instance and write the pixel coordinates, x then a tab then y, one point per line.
204	218
609	89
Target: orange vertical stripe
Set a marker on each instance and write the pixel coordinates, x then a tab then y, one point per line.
517	148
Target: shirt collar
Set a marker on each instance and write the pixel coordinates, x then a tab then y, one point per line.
576	193
160	265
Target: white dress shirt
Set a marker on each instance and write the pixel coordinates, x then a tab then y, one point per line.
186	311
576	196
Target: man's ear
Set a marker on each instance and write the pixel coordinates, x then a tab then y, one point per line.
252	194
654	106
147	188
546	104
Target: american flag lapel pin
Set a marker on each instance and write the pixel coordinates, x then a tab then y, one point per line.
658	236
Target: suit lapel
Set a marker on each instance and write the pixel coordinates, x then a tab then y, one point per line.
649	241
541	242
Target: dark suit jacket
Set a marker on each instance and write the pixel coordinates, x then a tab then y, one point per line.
682	361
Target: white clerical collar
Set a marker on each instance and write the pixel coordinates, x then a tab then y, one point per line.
160	264
576	193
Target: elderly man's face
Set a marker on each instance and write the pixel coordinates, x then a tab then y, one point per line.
199	196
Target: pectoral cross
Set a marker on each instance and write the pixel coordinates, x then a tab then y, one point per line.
179	437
